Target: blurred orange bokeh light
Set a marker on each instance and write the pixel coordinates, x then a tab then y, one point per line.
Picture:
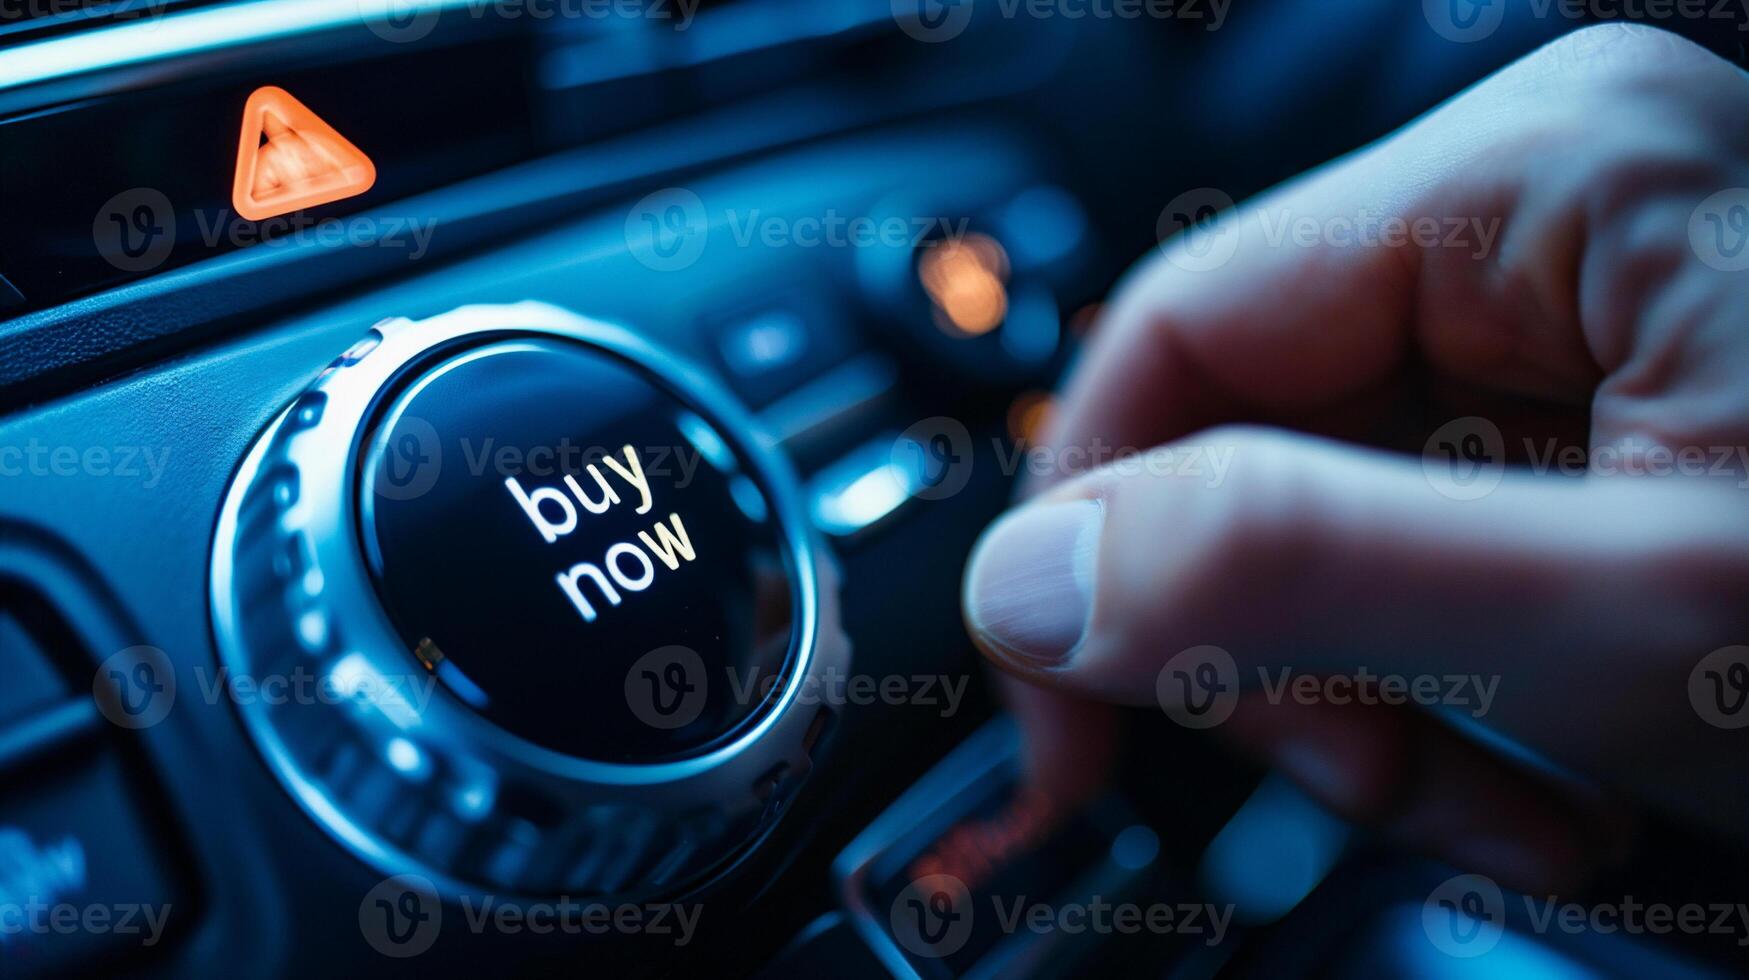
967	280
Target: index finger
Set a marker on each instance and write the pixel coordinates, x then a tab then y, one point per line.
1459	241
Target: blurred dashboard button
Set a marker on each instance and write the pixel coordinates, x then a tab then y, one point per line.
767	341
953	878
771	347
865	486
82	880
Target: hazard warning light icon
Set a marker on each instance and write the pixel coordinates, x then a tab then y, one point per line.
288	158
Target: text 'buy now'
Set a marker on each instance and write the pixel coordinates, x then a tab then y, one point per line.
626	565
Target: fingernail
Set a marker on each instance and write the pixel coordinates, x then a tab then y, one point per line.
1029	588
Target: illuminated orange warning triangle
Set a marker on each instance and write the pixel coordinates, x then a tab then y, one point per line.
288	158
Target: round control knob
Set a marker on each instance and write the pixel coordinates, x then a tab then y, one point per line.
540	603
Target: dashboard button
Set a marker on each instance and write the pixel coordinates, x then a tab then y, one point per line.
774	346
584	516
922	881
546	602
81	877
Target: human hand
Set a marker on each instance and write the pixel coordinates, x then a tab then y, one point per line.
1601	313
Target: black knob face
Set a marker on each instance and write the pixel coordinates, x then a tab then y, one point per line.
577	553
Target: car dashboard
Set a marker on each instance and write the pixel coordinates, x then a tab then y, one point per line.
705	335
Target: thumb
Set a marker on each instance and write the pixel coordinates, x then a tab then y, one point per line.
1574	597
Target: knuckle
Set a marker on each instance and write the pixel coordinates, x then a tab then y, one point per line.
1201	553
1627	51
1264	516
1642	78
